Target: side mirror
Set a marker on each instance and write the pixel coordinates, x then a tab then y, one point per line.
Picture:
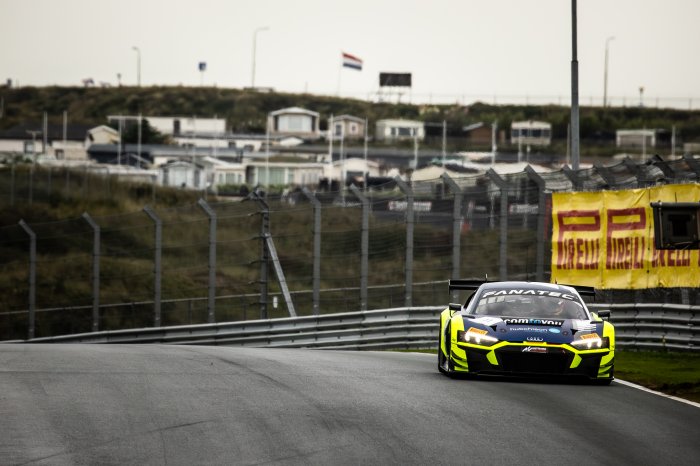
455	307
605	315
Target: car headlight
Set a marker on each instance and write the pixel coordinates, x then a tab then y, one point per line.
476	336
591	341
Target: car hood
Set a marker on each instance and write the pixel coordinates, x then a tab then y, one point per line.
547	330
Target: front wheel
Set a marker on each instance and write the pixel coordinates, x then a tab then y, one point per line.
443	362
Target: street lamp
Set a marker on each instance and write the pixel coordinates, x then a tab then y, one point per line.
605	78
138	65
255	40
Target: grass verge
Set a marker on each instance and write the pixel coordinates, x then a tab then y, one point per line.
673	373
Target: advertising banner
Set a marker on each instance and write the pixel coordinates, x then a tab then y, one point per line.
606	239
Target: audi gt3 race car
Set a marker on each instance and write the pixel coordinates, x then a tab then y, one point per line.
525	328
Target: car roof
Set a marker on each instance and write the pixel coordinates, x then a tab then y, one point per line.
509	285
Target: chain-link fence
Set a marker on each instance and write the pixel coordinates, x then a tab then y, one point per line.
301	253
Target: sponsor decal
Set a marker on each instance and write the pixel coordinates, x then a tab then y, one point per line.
551	294
534	349
525	321
583	326
528	329
535	339
554	330
487	321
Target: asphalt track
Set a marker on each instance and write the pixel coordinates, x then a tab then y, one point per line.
180	405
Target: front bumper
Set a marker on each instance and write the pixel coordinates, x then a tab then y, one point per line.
508	358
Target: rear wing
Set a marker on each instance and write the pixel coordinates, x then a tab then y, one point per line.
583	290
461	284
473	285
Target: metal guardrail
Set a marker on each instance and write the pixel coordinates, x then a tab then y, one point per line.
641	326
655	326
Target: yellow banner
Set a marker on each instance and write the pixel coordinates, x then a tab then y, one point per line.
606	239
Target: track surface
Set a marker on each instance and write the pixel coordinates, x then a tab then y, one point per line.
108	404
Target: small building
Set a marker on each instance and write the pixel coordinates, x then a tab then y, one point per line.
183	174
635	137
347	127
295	121
530	132
61	143
175	125
101	135
478	134
354	170
398	130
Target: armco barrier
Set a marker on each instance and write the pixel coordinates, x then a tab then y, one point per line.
641	326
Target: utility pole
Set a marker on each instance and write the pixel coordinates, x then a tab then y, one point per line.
605	75
574	91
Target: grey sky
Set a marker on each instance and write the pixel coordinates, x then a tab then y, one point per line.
453	47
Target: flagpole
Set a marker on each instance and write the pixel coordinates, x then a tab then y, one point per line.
340	73
366	167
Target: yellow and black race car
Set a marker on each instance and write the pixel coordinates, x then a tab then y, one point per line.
525	328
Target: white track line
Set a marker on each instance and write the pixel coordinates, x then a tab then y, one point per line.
644	389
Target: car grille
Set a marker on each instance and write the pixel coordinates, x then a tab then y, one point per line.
555	361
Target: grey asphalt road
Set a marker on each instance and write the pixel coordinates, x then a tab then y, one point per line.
180	405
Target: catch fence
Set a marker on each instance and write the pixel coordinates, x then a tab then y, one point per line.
300	253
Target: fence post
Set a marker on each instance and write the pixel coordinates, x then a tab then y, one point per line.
157	264
211	303
573	177
12	184
605	174
317	250
95	272
541	217
408	301
32	277
31	184
503	223
456	224
364	247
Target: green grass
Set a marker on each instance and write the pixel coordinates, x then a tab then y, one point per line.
674	373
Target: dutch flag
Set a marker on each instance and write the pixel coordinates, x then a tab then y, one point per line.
351	61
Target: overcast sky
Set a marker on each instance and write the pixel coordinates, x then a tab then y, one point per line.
453	48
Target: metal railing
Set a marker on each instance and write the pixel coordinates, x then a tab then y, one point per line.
640	326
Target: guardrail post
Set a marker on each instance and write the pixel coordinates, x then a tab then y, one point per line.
456	227
95	272
157	264
317	250
12	183
211	303
503	222
541	217
32	278
364	247
408	301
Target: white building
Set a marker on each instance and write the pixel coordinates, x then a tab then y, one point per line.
347	127
397	130
530	132
177	125
294	121
635	137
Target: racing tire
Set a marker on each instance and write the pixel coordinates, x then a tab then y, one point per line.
444	365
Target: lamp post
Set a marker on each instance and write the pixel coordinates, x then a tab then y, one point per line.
138	65
605	77
255	40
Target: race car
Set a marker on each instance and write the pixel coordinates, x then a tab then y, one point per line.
525	328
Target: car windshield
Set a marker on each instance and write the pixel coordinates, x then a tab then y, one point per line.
531	307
